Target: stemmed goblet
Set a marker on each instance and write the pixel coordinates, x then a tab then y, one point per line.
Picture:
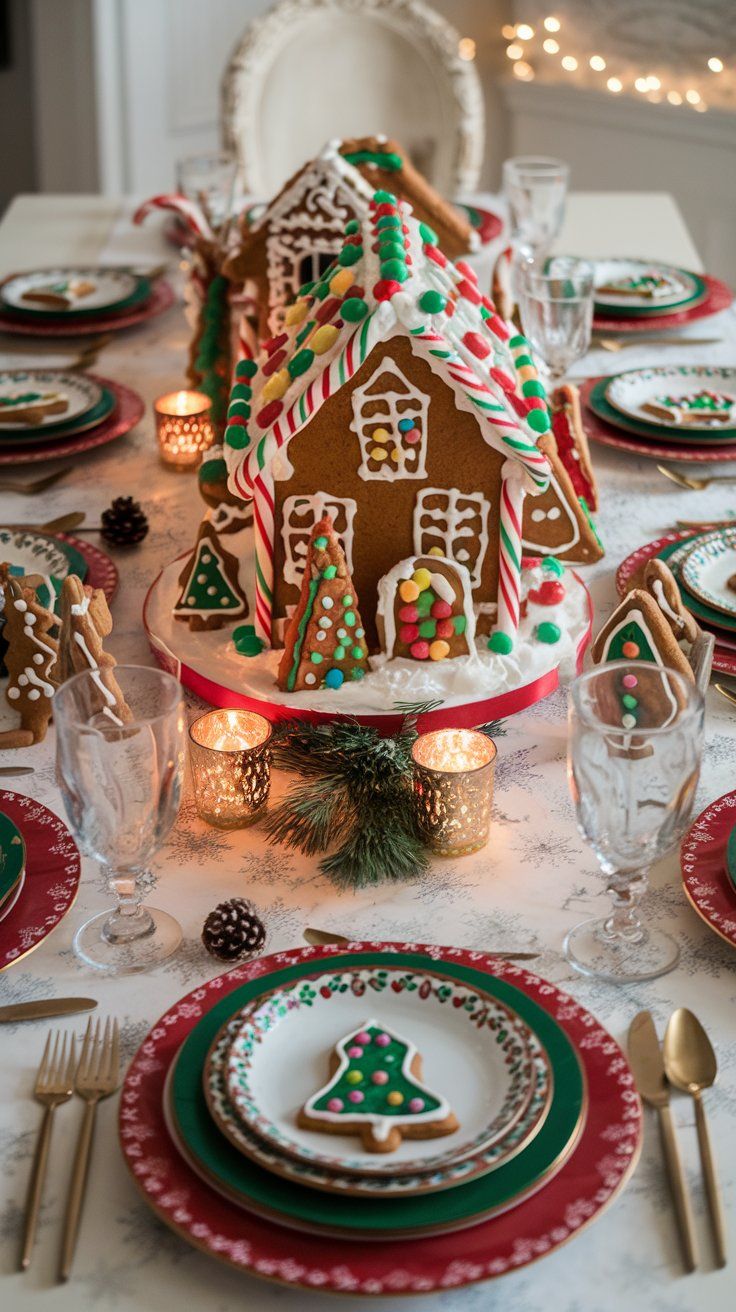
556	308
634	746
121	784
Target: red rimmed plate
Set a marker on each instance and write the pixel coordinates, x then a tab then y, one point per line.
129	409
719	296
162	298
594	1174
52	877
724	658
654	449
703	864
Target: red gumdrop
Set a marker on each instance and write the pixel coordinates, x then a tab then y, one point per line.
477	345
385	208
464	268
503	379
355	239
434	253
445	629
549	593
356	290
408	633
273	363
530	562
274	343
419	650
497	325
269	414
327	309
486	300
238	419
385	288
409	614
441	610
469	291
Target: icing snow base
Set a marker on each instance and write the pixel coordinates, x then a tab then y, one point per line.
480	675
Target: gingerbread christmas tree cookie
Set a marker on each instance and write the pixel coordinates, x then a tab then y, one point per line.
425	609
639	631
376	1091
211	594
31	660
324	641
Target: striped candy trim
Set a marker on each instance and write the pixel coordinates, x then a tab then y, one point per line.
509	552
263	533
192	214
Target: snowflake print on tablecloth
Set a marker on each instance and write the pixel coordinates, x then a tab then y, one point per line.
517	769
547	852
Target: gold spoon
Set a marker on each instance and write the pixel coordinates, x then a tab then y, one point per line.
725	692
690	1064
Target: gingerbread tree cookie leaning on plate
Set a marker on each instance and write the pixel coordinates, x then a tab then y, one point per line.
31	660
324	640
662	584
376	1091
85	622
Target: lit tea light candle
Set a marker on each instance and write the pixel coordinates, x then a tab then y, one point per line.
453	789
183	427
231	766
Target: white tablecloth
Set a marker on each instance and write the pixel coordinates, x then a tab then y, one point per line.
534	880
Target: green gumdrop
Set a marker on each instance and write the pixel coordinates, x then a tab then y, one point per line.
518	340
351	227
241	392
305	288
321	290
388	221
427	629
501	643
246	369
349	618
320	543
532	387
433	302
339	654
350	255
392	249
460	623
548	632
329	572
357	653
424	603
428	234
246	642
395	270
316	658
629	702
238	408
384	198
347	600
538	421
354	309
299	363
522	360
553	566
236	436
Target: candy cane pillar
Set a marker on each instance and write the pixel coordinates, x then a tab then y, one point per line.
513	491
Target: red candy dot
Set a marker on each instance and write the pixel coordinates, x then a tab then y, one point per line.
412	437
327	309
530	562
504	380
434	253
379	1077
409	614
385	288
355	1052
419	650
355	290
486	300
548	593
445	629
441	610
477	345
383	1040
630	650
535	403
464	268
335	1105
408	633
629	681
385	209
469	291
363	1038
497	325
273	363
355	1096
450	309
274	343
269	414
238	419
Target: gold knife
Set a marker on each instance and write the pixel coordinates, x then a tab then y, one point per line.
44	1008
647	1064
320	938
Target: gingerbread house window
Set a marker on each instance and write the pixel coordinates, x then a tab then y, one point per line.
390	419
455	524
300	514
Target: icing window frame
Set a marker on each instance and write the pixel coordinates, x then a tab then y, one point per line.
431	535
316	505
389	408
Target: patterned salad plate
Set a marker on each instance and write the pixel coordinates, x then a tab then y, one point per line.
44	399
704	863
588	1180
691	398
428	1180
35	553
474	1056
612	429
12	862
125	412
51	882
709	570
718	296
643	286
72	291
598	402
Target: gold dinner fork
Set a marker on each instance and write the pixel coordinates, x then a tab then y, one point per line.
618	344
98	1076
54	1085
692	483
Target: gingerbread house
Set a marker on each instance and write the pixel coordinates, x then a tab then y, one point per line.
294	239
396	401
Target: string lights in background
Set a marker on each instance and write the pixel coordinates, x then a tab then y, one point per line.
539	49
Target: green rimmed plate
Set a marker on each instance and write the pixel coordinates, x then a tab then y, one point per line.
12	860
474	1054
35	553
306	1209
684	288
632	391
45	388
29	436
601	406
707	569
731	858
674	554
112	291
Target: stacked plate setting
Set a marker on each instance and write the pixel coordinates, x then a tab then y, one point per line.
48	405
704	565
12	864
79	295
632	295
684	411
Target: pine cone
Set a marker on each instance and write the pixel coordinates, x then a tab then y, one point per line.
233	930
124	523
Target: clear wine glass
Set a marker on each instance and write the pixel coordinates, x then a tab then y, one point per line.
536	189
556	309
121	785
634	746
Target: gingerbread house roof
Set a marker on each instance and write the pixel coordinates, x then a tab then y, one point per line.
390	279
355	167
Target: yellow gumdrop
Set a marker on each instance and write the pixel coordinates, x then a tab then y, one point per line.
343	279
323	338
354	1077
296	313
381	435
408	590
276	385
526	371
378	453
435	551
395	455
439	650
395	1098
422	578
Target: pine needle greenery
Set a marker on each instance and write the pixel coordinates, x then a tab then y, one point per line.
353	801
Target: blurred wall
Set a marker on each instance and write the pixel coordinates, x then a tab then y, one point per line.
17	146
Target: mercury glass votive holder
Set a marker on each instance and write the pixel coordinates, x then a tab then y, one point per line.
453	789
183	428
230	756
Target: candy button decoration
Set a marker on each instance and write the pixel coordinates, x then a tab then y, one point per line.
246	641
501	643
246	369
630	650
354	309
548	632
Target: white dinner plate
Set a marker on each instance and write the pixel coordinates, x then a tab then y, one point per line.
57	395
84	288
710	565
678	286
633	393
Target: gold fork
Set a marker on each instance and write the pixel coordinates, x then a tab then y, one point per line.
694	484
27	487
54	1085
98	1076
616	344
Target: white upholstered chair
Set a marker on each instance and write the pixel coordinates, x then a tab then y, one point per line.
312	70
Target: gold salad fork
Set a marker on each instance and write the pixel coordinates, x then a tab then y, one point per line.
98	1075
54	1085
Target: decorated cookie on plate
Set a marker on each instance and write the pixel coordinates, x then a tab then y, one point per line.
694	409
376	1091
324	640
425	609
662	584
650	285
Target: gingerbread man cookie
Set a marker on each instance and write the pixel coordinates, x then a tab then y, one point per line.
85	622
31	660
662	584
376	1091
